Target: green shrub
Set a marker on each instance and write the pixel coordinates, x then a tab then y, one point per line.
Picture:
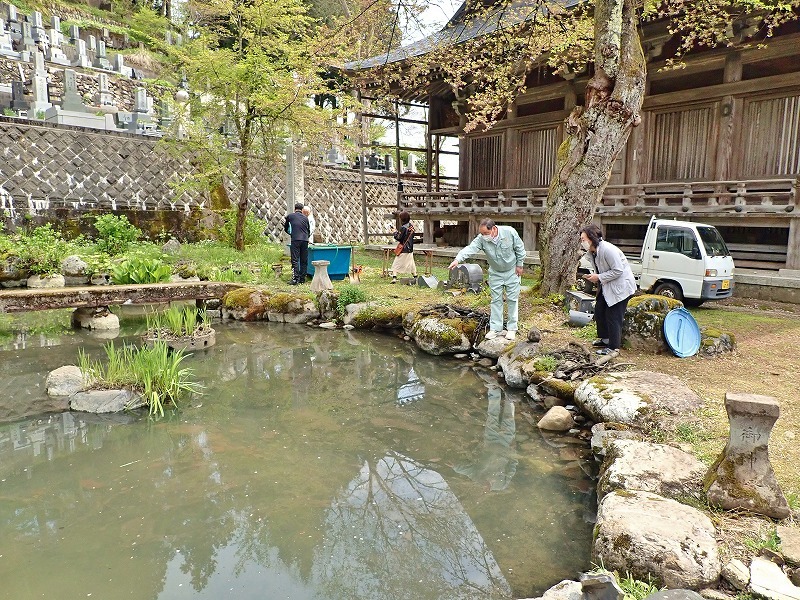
253	228
41	251
349	294
155	372
546	362
140	269
115	234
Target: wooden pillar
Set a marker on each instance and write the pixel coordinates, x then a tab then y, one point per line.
793	246
729	109
427	230
473	227
529	232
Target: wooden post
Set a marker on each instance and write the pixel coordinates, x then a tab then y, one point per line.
727	119
529	233
793	245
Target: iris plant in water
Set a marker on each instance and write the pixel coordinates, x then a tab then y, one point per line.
155	372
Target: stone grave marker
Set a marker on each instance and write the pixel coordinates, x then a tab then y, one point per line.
55	23
11	12
74	33
71	100
104	97
41	95
100	60
6	44
83	59
92	45
18	101
742	477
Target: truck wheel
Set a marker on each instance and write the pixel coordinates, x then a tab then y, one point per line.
669	290
693	302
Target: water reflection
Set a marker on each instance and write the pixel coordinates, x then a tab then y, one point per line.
298	474
398	526
495	463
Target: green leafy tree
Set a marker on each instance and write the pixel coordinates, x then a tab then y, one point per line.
254	64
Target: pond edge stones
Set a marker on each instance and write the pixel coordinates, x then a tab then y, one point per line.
68	381
649	535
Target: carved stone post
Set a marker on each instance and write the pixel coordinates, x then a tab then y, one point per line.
742	476
321	280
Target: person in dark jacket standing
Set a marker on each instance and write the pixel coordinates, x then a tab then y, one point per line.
296	224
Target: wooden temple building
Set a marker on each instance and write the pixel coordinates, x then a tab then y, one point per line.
719	143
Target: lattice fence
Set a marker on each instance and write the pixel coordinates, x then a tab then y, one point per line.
45	167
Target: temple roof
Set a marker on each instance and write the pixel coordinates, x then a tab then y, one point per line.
462	27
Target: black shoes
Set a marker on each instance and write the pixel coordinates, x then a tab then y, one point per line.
608	352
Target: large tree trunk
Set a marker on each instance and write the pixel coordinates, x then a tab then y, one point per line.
597	132
242	206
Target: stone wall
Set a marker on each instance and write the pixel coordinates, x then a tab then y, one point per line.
62	174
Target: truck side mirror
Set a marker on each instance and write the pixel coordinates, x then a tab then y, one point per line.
695	252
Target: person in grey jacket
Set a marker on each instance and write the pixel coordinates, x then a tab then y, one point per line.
616	286
504	252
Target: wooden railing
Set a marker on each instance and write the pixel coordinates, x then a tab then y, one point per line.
758	196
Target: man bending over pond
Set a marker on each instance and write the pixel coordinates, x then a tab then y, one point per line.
504	252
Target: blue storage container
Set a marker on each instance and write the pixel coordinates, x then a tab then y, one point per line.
339	257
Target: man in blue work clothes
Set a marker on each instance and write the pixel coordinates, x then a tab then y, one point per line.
296	224
504	252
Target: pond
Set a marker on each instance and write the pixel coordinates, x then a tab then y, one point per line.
316	465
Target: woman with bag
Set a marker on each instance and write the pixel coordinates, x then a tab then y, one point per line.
404	251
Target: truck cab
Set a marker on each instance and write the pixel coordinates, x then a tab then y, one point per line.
686	261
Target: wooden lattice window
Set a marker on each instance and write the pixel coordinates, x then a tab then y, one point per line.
486	162
682	144
771	136
538	149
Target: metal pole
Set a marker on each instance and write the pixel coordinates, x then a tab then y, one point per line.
364	213
397	153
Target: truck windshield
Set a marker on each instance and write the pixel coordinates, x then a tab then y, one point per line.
713	242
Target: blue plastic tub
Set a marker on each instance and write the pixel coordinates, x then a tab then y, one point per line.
339	256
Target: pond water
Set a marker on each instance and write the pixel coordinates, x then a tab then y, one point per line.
316	465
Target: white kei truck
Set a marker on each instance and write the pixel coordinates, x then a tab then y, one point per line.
682	260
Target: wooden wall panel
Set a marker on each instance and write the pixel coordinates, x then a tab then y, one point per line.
682	144
537	150
771	137
486	162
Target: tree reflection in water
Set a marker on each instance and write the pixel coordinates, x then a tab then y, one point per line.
398	526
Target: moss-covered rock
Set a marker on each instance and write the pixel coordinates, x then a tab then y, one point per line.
643	326
714	342
440	336
519	364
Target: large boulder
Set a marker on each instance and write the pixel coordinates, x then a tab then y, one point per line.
557	418
637	398
55	280
95	318
105	401
495	347
64	381
646	535
518	364
643	325
437	336
74	266
11	274
642	466
244	304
